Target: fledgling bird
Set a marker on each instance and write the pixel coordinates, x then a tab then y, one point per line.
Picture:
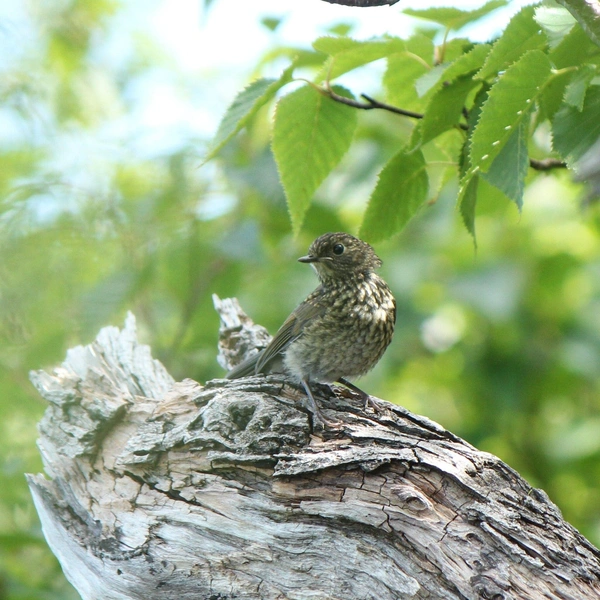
341	330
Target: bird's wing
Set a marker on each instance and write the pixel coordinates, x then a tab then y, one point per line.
290	330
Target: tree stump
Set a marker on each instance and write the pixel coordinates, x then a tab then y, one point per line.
160	489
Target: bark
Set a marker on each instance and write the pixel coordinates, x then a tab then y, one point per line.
164	489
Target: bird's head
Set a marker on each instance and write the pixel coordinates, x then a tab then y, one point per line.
340	255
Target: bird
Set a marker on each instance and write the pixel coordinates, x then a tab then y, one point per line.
340	331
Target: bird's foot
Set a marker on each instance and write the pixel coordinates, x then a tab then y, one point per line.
325	424
320	421
375	404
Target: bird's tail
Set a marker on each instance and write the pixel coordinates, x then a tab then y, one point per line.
245	368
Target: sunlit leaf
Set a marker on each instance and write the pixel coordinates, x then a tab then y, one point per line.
310	135
403	70
521	35
446	73
509	102
342	29
454	18
271	23
509	169
246	104
577	88
441	157
347	54
575	131
443	111
556	22
587	15
400	191
552	96
576	48
467	202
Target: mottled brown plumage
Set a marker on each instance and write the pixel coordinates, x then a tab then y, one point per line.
342	329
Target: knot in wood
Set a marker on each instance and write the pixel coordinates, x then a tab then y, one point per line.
411	499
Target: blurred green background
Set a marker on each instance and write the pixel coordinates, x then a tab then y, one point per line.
500	345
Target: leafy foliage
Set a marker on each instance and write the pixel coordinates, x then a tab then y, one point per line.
311	135
517	74
400	192
346	54
247	103
575	130
454	18
586	15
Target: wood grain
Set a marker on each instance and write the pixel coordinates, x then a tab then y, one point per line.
164	489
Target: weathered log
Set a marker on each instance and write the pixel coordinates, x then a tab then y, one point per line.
160	489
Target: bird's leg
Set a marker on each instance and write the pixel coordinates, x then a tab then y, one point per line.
376	406
318	417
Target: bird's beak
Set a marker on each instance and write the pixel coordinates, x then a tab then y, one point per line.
309	258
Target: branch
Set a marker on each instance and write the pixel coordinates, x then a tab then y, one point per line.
160	489
369	105
545	164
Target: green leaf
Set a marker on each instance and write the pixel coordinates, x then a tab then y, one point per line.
443	111
299	57
472	120
401	189
404	68
587	15
509	102
341	28
244	107
432	77
347	54
509	169
577	88
311	134
521	35
453	49
271	23
454	18
441	158
552	96
573	131
422	46
467	202
556	21
446	73
575	49
402	71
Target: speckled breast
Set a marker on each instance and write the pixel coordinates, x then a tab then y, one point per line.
350	338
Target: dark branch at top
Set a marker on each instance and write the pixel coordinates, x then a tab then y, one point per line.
363	3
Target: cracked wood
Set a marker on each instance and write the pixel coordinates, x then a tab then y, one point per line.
164	489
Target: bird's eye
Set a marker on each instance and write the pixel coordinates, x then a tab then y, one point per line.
338	249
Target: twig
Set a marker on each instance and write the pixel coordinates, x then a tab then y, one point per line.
546	164
370	104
